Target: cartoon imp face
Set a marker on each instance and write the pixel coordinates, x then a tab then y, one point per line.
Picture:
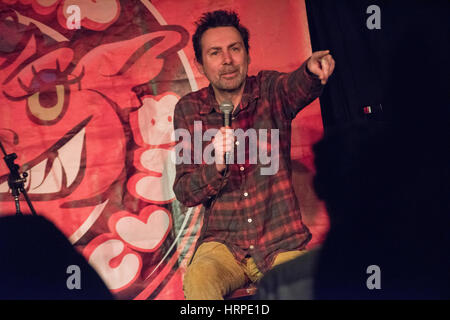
61	115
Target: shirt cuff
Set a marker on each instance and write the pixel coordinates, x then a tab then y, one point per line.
309	75
312	83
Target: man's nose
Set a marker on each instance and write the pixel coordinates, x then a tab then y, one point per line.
227	58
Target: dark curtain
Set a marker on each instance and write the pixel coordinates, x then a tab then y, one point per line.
401	70
385	182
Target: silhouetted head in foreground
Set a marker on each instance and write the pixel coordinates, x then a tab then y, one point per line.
386	192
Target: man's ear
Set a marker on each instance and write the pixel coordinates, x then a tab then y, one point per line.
199	67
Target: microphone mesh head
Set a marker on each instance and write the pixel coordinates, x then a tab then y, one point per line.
226	107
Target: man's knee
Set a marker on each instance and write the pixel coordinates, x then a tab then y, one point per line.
286	256
212	277
202	280
202	271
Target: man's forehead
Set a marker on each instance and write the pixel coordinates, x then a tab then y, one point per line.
220	37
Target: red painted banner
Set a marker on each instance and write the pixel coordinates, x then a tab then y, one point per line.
88	90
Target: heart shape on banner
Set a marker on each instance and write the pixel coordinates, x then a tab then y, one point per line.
145	232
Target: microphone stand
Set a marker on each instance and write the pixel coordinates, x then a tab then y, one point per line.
16	181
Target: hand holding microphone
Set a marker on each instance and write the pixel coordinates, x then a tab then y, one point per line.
224	139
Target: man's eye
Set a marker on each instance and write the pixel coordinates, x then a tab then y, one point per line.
214	53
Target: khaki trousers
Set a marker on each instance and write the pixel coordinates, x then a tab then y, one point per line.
214	272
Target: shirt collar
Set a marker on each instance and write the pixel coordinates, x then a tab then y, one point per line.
251	92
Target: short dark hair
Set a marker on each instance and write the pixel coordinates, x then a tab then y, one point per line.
214	19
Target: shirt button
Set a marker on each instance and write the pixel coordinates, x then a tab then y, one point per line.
249	220
241	168
236	143
245	194
233	118
252	247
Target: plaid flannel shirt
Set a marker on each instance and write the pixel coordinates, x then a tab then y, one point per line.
253	214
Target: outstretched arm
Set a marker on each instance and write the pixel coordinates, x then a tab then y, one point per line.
295	90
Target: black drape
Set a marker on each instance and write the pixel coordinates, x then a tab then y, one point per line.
400	70
384	176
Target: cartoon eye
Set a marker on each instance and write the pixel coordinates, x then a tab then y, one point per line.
48	95
47	106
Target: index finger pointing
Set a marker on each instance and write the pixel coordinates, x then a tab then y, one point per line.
320	54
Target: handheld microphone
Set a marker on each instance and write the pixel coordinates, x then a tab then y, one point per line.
226	107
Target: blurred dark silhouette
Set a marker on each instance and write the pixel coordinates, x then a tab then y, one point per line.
386	187
35	257
293	280
388	204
